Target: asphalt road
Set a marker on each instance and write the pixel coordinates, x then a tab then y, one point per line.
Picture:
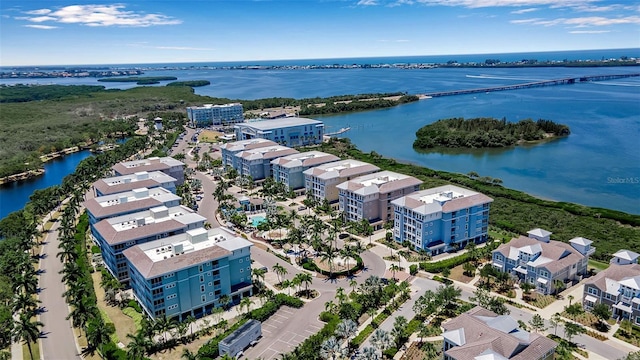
57	341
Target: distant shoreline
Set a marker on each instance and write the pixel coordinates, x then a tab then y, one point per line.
38	73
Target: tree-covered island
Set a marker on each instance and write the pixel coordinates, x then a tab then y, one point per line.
486	133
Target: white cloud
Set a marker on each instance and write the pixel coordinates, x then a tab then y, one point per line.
38	12
42	27
524	11
183	48
589	31
367	2
100	15
581	21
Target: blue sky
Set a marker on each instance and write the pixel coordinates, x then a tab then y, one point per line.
95	32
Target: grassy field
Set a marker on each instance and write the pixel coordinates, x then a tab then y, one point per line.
209	136
598	265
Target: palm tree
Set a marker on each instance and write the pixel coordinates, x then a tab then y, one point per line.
329	255
246	303
393	268
225	301
398	331
24	303
81	312
163	325
330	349
368	353
306	279
188	355
353	284
340	295
98	334
381	340
258	275
139	345
280	271
190	320
346	329
26	330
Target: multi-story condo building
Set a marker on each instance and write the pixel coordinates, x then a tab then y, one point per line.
210	114
321	181
291	131
289	169
257	162
445	218
142	179
481	334
540	261
229	150
136	200
189	273
167	165
369	196
116	234
618	287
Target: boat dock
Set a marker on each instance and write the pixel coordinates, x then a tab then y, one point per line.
341	131
564	81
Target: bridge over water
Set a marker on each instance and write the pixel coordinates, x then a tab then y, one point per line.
564	81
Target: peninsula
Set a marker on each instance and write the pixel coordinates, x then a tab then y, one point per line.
486	133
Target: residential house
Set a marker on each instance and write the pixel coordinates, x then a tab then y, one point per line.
543	262
480	334
167	165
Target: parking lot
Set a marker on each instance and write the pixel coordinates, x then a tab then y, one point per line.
282	332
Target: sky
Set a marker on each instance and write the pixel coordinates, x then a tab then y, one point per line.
54	32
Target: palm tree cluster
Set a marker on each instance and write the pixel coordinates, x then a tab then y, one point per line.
442	301
75	274
153	336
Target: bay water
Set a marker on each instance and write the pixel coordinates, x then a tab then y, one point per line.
597	165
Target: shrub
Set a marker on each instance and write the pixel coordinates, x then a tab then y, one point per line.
134	304
95	249
413	269
362	336
438	266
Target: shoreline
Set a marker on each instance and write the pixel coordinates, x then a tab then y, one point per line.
30	174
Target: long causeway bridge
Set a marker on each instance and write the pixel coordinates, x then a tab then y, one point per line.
564	81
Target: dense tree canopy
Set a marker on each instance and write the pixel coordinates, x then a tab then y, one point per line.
485	132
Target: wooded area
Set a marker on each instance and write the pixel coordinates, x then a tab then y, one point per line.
485	133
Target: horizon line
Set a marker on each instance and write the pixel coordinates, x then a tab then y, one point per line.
327	58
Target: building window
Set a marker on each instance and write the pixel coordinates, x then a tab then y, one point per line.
201	278
592	291
201	288
200	268
240	261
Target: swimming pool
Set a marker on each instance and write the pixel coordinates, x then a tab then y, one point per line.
257	220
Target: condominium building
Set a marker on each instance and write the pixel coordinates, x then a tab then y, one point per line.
321	181
289	169
291	131
188	274
116	234
257	162
481	334
142	179
618	287
209	114
369	196
136	200
229	150
545	263
445	218
167	165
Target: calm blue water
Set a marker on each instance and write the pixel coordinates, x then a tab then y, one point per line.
15	195
598	165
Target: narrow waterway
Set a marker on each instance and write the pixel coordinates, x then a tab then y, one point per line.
14	196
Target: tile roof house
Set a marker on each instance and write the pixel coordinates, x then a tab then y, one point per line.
321	180
480	334
618	287
167	165
541	261
289	169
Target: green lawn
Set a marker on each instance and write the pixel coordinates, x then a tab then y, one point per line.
598	265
